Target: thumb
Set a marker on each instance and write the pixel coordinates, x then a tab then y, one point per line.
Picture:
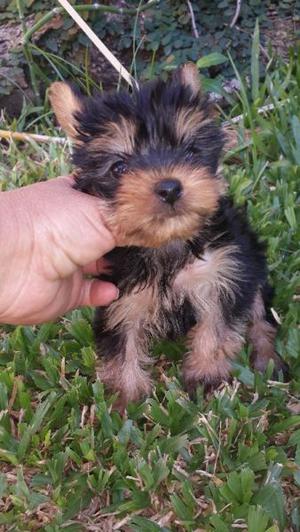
97	293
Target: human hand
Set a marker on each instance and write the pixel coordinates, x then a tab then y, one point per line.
50	237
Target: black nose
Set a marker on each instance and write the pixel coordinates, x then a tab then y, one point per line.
169	190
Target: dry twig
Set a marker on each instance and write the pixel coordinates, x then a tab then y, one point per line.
25	137
98	43
194	27
236	14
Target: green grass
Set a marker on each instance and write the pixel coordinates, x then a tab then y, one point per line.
228	461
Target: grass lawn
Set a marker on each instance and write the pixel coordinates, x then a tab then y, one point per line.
224	462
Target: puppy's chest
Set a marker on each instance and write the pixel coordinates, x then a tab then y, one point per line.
172	299
146	279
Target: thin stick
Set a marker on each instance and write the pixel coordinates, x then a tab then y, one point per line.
194	27
260	110
24	137
98	43
236	14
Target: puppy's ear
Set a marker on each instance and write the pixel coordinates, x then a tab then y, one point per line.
66	104
188	75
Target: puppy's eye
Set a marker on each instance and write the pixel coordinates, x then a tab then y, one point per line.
119	168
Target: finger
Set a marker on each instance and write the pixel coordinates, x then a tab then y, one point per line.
97	293
85	237
96	267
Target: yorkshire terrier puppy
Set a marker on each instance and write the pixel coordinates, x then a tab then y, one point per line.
187	262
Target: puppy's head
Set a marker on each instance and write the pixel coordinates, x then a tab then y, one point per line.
151	156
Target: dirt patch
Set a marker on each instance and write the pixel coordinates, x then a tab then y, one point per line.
13	85
14	80
283	34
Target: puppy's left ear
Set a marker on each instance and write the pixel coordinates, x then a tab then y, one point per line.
188	75
66	104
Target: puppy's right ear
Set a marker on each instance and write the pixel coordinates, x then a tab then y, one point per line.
66	104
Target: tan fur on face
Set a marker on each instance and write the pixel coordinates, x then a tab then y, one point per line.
119	138
65	105
212	347
140	218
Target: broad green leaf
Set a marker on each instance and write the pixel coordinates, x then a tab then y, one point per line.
139	500
3	396
287	423
215	58
291	216
138	523
296	517
211	85
35	424
218	523
3	485
271	499
296	129
173	444
257	519
247	484
181	509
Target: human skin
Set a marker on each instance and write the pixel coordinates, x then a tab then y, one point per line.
51	237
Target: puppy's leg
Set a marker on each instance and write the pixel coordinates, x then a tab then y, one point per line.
212	285
123	359
213	345
262	334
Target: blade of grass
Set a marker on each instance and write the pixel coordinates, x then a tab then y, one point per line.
35	424
255	63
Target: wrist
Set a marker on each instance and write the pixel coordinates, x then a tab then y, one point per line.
15	245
